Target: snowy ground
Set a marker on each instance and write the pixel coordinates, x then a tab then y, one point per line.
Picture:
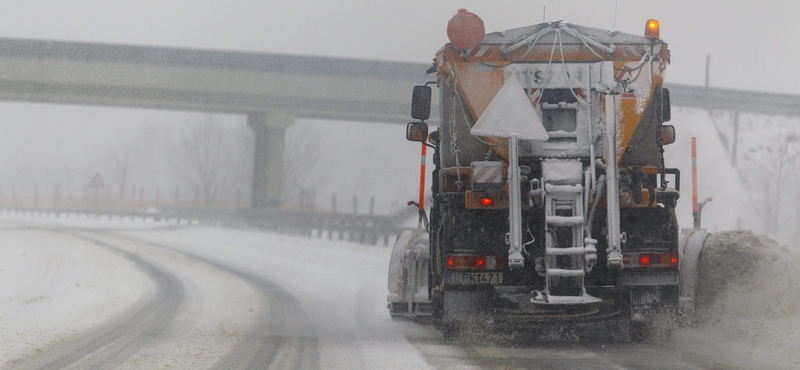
55	286
748	301
342	285
60	275
756	314
732	204
753	321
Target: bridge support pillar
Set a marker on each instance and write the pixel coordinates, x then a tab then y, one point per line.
270	132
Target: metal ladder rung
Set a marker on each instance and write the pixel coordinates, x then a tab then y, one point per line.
564	220
565	273
565	251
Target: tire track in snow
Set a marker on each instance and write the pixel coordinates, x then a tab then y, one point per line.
113	342
282	336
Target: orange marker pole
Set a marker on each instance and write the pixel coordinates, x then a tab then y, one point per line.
422	178
695	211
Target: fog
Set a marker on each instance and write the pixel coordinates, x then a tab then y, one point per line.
750	41
220	297
43	145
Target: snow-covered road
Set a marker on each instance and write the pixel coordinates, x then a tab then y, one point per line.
80	294
160	296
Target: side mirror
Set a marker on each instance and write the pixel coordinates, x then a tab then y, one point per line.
421	103
417	131
666	111
667	134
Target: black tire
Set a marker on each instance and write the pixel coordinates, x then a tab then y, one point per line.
451	332
655	332
639	331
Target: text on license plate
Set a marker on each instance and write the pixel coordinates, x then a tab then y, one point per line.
454	277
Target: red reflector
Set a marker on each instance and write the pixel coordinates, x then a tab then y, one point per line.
466	262
650	260
487	202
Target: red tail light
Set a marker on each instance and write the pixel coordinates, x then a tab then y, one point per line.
472	262
650	259
486	202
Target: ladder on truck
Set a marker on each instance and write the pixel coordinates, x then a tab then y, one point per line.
565	249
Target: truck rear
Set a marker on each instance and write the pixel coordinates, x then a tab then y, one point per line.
551	200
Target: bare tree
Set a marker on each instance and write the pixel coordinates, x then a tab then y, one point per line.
301	156
201	157
122	164
778	163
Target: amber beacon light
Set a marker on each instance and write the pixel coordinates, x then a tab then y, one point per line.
652	29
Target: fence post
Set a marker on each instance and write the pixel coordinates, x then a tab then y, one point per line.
56	196
735	137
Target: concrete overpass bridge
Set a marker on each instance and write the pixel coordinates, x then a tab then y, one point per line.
272	90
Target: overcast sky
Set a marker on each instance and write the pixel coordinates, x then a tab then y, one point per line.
752	43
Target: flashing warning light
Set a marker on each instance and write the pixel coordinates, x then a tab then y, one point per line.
652	29
486	202
465	30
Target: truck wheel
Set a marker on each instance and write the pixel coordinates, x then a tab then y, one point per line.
639	331
658	331
451	332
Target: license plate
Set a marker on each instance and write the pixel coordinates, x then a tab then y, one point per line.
474	277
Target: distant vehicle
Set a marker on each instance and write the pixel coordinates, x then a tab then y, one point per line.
551	198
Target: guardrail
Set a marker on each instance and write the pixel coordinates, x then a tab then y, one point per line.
365	229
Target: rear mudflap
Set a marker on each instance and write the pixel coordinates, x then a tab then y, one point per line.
468	305
515	305
653	302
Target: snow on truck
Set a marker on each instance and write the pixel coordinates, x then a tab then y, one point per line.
550	196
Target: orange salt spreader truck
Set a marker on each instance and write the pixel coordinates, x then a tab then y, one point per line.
551	200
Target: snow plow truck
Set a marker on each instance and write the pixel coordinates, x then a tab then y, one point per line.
551	201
